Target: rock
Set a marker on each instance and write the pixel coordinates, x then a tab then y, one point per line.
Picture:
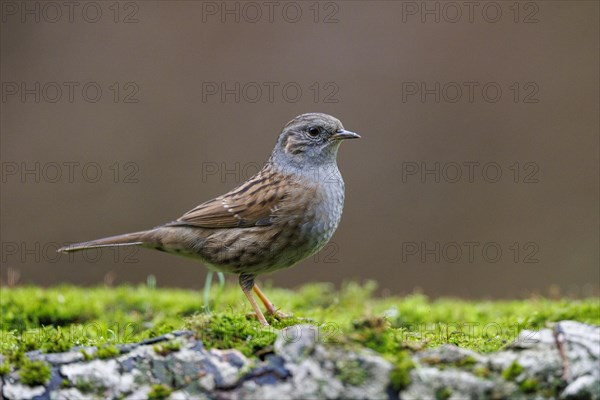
69	394
297	342
63	358
585	386
552	363
455	384
23	392
450	354
99	376
317	371
561	362
228	364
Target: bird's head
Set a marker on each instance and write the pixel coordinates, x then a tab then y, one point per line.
310	140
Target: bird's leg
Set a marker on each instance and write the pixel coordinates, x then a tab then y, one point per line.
247	283
271	310
268	305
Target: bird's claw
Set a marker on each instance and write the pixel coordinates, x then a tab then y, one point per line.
280	314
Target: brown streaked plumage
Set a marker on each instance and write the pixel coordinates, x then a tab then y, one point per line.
283	214
250	204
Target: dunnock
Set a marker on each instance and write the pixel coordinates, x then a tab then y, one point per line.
280	216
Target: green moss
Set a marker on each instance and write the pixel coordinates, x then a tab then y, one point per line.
167	347
229	331
16	357
400	374
59	318
33	373
482	372
159	392
443	393
530	385
511	372
107	351
4	368
351	372
375	333
85	386
234	331
86	356
55	340
466	362
30	341
30	317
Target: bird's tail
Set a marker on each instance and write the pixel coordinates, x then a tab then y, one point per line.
128	239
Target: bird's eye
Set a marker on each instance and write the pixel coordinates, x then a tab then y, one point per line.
314	131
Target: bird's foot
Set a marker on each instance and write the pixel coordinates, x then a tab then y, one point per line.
260	318
277	314
280	314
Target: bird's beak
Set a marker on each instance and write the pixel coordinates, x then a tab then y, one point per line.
344	134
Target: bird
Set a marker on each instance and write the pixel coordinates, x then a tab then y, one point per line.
285	213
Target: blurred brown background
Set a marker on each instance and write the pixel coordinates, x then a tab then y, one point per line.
144	93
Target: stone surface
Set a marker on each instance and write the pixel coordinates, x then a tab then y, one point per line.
15	390
562	362
545	373
315	371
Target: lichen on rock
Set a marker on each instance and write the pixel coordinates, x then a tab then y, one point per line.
556	362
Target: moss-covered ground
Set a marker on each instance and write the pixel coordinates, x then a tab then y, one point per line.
56	319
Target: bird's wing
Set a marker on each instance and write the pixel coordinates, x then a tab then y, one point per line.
254	203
